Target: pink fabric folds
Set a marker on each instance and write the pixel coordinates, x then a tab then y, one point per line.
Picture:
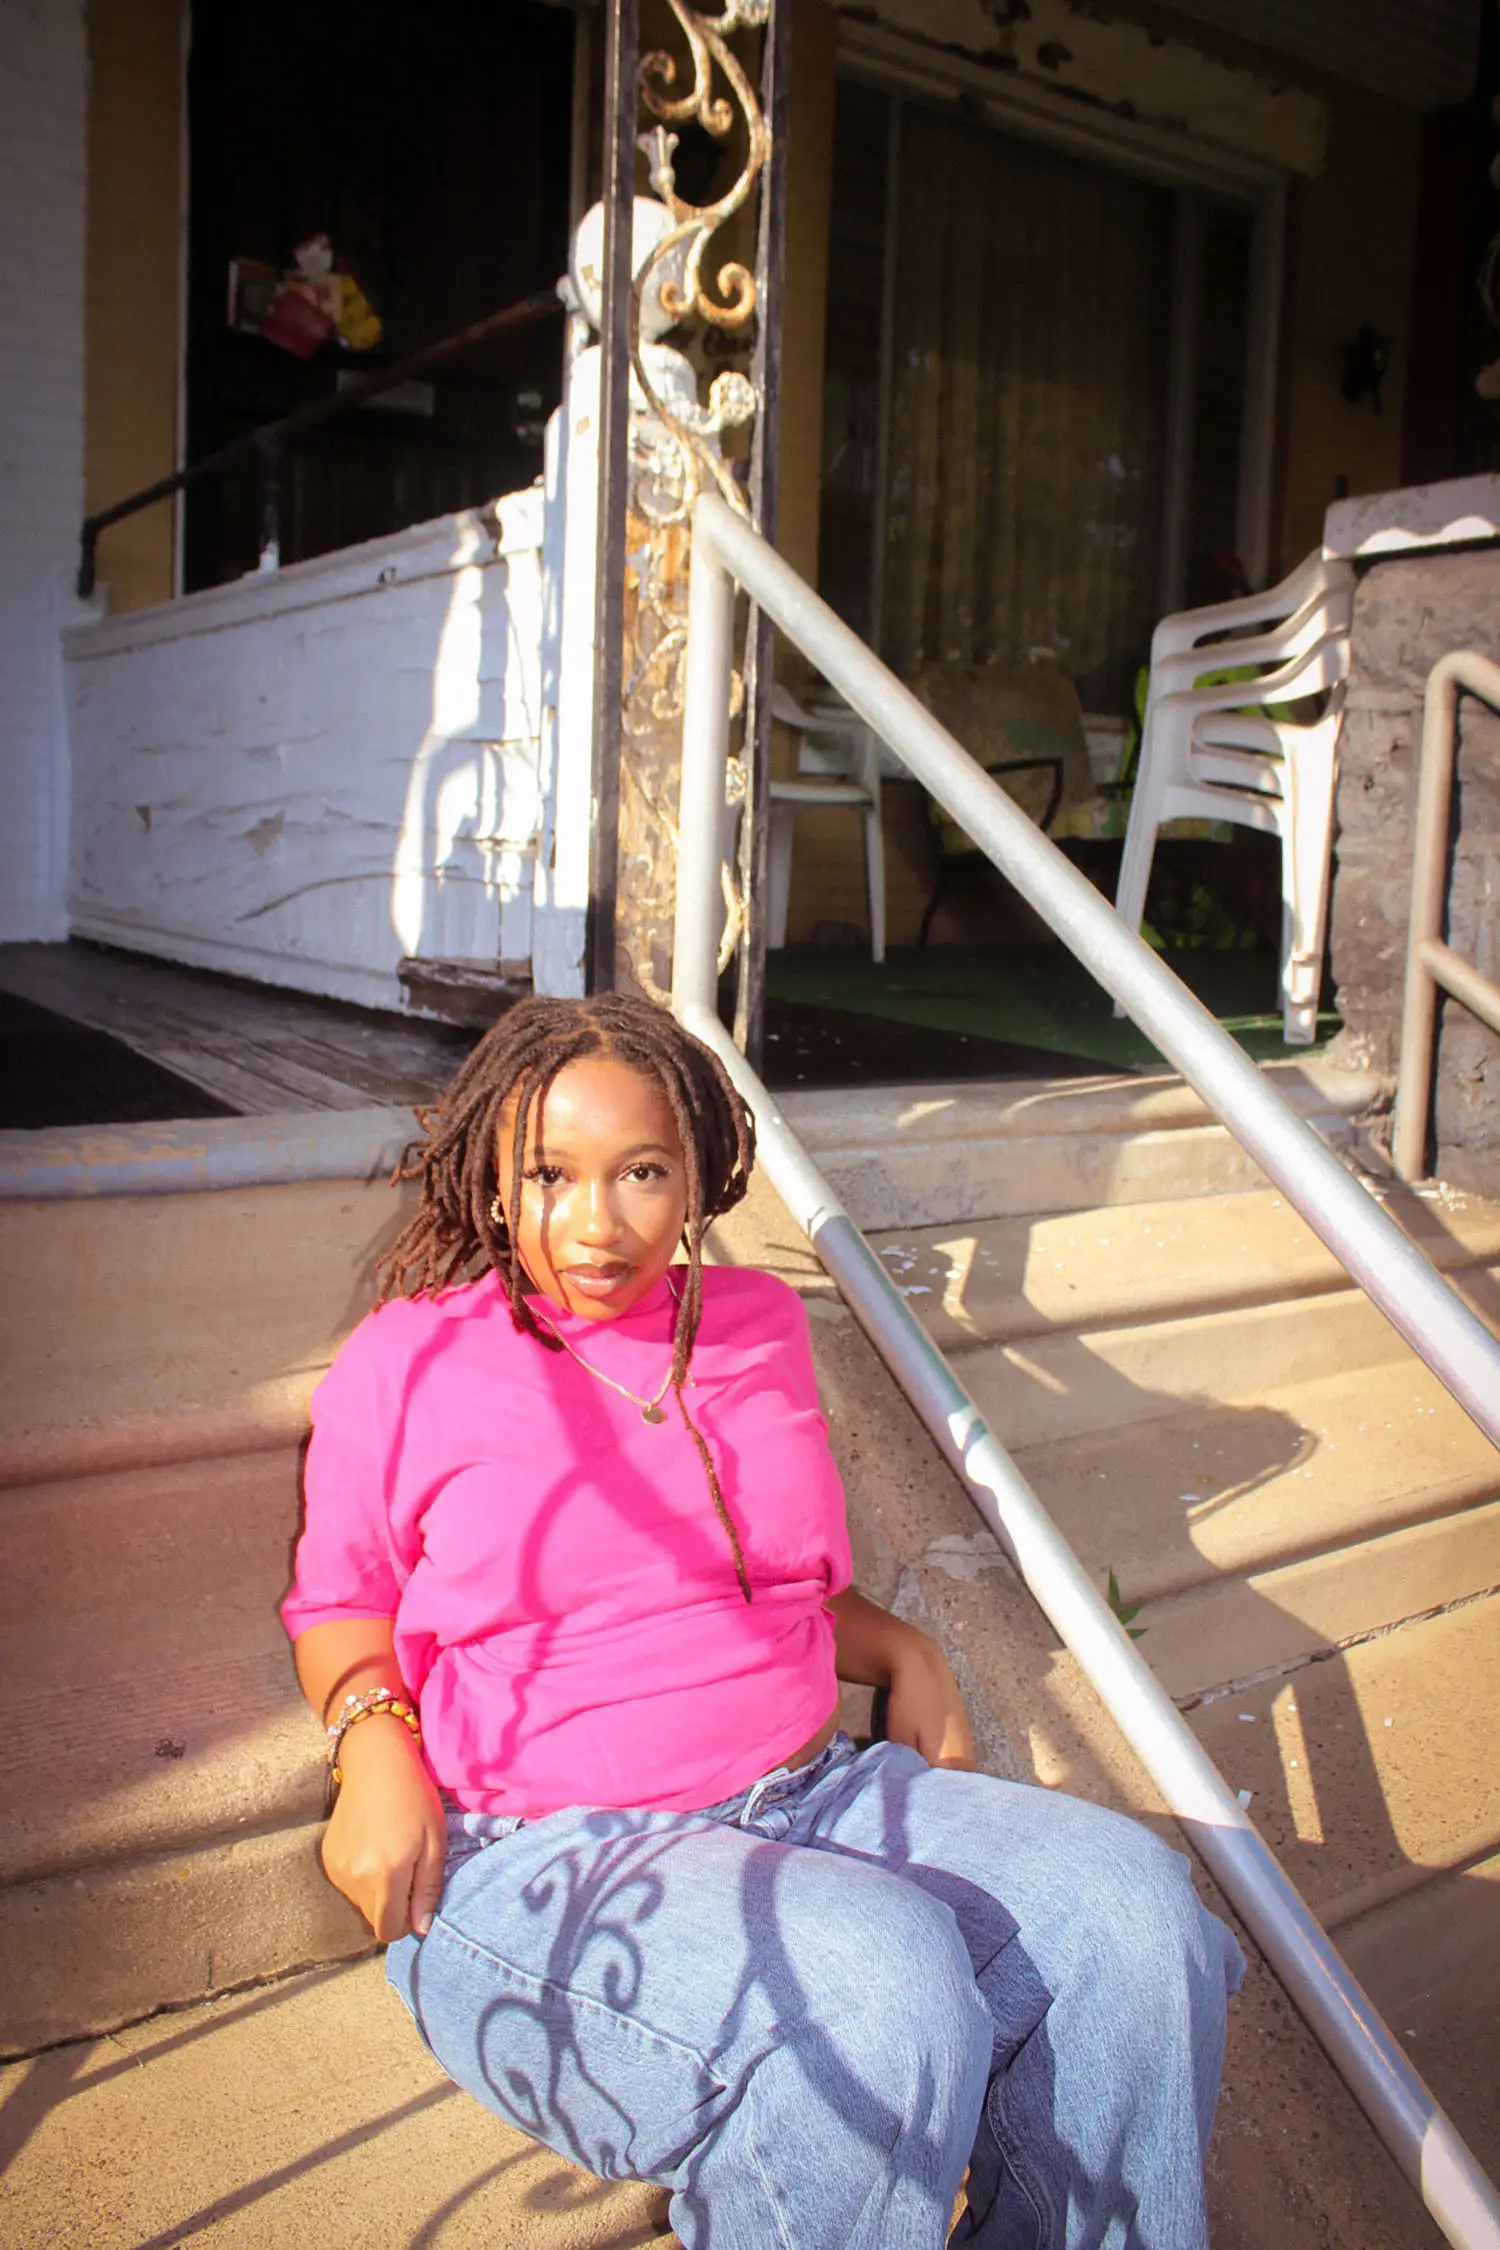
566	1605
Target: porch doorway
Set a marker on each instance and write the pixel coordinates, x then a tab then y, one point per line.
1048	361
433	147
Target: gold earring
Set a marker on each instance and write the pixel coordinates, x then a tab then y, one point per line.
497	1213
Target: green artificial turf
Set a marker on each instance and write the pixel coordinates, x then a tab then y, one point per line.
1039	997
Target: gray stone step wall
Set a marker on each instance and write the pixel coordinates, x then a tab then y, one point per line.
1408	613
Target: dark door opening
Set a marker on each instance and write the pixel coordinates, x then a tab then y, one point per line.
432	146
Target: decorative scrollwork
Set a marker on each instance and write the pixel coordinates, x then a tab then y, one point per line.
731	399
677	452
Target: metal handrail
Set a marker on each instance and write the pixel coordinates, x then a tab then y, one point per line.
269	441
1403	2110
1430	962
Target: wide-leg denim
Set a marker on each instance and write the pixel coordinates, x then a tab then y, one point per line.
807	2010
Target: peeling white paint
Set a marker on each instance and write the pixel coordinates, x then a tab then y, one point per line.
1083	52
304	777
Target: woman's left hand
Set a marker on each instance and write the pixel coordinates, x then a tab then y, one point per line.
924	1708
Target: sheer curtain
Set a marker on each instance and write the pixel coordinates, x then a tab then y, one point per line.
1027	410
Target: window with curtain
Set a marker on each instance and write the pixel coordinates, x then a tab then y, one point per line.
1003	501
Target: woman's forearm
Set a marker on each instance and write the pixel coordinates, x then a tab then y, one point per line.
345	1656
923	1705
868	1641
385	1844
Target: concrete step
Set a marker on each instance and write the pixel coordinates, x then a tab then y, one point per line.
107	1573
1181	1498
145	1662
1375	1769
1431	1962
163	1781
116	1766
1237	1628
1069	1382
304	2112
134	1327
1003	1280
110	1943
143	1923
1294	2163
936	1155
162	1788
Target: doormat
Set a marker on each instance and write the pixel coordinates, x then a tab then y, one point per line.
1036	997
57	1072
823	1048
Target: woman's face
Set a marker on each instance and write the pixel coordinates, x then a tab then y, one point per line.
603	1187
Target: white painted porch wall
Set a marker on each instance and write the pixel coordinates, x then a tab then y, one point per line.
306	775
43	95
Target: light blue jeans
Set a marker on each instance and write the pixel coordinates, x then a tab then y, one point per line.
807	2010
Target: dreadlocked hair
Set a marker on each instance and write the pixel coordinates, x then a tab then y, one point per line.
457	1233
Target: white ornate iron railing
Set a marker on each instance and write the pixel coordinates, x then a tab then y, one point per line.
1454	1343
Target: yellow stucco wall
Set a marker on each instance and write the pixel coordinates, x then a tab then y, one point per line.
1351	242
132	306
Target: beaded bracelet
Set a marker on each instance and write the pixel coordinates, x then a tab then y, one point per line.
371	1704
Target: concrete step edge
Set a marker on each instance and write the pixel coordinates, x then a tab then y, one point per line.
266	1416
1113	1105
1421	1507
1366	1772
927	1181
1269	1624
187	1156
1308	1468
1178	1312
1342	1914
1047	1260
96	1948
122	1768
1065	1383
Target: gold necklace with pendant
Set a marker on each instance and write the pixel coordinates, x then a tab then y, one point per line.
652	1410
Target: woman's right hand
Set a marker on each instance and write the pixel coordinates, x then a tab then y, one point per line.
386	1842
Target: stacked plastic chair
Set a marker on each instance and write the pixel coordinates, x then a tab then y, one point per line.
1228	748
848	771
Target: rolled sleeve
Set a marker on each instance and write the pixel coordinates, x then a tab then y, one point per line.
345	1566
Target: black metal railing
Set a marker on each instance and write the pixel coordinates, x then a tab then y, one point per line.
268	444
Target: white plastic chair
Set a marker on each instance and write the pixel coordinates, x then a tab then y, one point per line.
1315	580
1205	755
847	772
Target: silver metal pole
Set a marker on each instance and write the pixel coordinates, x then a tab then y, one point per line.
1429	883
1400	2106
1464	981
1435	1321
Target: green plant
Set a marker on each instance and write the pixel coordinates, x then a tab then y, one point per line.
1117	1604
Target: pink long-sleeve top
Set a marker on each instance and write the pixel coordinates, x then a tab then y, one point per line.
566	1606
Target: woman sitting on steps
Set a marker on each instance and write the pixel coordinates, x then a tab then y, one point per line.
573	1599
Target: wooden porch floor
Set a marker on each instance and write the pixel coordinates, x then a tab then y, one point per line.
263	1050
259	1049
